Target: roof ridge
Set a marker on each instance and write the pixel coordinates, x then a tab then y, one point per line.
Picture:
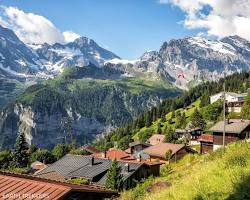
46	180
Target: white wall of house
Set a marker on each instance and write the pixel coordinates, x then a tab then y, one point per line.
234	109
229	97
215	147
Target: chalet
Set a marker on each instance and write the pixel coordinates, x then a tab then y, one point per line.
137	146
190	133
114	154
235	129
234	101
156	139
17	186
158	152
206	143
95	170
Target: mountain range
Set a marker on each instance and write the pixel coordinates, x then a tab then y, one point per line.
79	89
183	62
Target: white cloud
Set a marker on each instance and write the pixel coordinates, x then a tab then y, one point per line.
70	36
33	28
220	18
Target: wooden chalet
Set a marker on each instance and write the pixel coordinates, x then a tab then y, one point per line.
95	170
191	133
158	152
137	146
206	143
235	129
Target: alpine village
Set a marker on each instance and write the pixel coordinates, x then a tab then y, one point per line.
79	122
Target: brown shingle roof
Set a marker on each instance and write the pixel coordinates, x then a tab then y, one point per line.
234	126
159	150
138	143
156	139
20	186
206	138
90	149
113	154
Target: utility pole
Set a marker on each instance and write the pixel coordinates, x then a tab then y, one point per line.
224	111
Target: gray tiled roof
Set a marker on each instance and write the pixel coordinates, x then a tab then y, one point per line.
234	126
78	166
133	167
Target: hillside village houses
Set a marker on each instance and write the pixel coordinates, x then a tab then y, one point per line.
234	101
143	159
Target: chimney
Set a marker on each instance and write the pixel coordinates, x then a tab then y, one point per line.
104	154
139	158
91	160
126	167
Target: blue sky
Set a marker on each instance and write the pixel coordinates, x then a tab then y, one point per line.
126	27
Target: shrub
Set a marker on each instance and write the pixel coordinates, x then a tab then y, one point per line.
79	181
18	170
166	170
236	160
43	156
78	152
60	150
140	190
5	159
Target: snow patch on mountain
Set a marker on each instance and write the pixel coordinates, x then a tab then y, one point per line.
213	45
120	61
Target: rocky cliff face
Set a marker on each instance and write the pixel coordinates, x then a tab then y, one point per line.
191	60
72	107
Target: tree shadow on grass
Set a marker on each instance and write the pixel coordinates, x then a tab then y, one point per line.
242	190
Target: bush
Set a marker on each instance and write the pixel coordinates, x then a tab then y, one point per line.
60	150
79	181
43	156
236	160
78	152
140	190
18	170
5	159
166	170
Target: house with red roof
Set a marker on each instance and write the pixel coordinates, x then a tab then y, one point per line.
17	186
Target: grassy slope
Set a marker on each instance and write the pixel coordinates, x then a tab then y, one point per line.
135	86
153	128
221	175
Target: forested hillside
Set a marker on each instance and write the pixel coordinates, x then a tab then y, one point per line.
79	104
177	112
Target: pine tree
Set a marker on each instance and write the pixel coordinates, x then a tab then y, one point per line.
114	177
169	134
148	119
159	128
20	156
205	99
245	111
181	120
168	155
197	120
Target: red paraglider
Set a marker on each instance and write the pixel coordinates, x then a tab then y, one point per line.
180	76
